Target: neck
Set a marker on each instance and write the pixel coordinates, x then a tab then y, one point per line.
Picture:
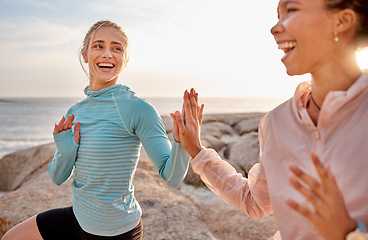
98	85
336	77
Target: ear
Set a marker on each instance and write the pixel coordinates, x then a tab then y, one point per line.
85	58
345	20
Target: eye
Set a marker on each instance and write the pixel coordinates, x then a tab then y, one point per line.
117	49
97	46
291	10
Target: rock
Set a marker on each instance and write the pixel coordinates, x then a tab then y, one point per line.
216	129
233	119
168	123
210	141
245	151
247	126
193	179
208	119
225	221
167	213
42	194
19	167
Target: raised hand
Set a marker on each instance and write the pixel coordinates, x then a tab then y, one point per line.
189	132
328	214
65	125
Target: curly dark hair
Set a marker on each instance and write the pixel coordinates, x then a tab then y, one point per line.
360	7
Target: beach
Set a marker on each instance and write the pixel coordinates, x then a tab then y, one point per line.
190	211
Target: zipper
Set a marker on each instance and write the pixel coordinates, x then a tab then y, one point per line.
316	133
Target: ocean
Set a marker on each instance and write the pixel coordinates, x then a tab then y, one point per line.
28	122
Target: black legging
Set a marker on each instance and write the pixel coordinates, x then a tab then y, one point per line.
62	224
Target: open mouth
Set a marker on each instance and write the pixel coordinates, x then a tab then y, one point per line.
287	46
105	65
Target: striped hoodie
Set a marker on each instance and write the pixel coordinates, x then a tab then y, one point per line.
114	124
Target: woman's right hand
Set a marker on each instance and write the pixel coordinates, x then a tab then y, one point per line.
190	131
65	125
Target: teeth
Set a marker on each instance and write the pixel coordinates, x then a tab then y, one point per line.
286	45
109	65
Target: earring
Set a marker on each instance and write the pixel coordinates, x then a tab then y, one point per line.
336	39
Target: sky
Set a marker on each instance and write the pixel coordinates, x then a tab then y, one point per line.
222	48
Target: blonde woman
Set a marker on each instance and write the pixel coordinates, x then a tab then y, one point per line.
100	140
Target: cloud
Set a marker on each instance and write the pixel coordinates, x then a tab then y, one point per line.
38	3
33	3
35	32
144	12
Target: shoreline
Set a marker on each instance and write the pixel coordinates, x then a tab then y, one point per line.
166	119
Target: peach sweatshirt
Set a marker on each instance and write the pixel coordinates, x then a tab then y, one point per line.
287	136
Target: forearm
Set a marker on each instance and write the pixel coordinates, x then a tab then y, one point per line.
171	162
62	164
223	179
176	166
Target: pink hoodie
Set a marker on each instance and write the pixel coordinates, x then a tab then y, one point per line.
287	136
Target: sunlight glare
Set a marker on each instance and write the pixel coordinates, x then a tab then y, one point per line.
362	58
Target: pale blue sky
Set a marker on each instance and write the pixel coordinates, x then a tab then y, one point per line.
220	47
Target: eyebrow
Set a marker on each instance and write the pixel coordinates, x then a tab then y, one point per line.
283	4
289	1
101	41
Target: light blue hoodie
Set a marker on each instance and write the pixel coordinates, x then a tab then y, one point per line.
113	124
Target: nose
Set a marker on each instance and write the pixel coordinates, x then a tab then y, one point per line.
277	28
107	54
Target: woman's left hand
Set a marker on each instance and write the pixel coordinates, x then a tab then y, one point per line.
328	215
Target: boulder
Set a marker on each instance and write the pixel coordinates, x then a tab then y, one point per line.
17	168
247	126
210	141
216	129
245	151
225	221
234	118
40	195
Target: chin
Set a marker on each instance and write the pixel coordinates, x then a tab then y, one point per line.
294	72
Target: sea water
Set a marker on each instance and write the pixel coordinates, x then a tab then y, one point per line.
28	122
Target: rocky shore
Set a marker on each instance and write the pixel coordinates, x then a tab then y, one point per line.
189	211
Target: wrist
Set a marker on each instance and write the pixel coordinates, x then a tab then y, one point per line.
194	152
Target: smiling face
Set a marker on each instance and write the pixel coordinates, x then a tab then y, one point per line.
105	57
305	32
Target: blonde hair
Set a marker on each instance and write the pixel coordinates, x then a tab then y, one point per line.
90	34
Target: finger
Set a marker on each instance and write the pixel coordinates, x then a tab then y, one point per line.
200	117
70	123
187	106
307	193
322	173
59	127
183	107
67	123
193	104
175	128
311	182
179	120
76	132
195	96
330	175
300	208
